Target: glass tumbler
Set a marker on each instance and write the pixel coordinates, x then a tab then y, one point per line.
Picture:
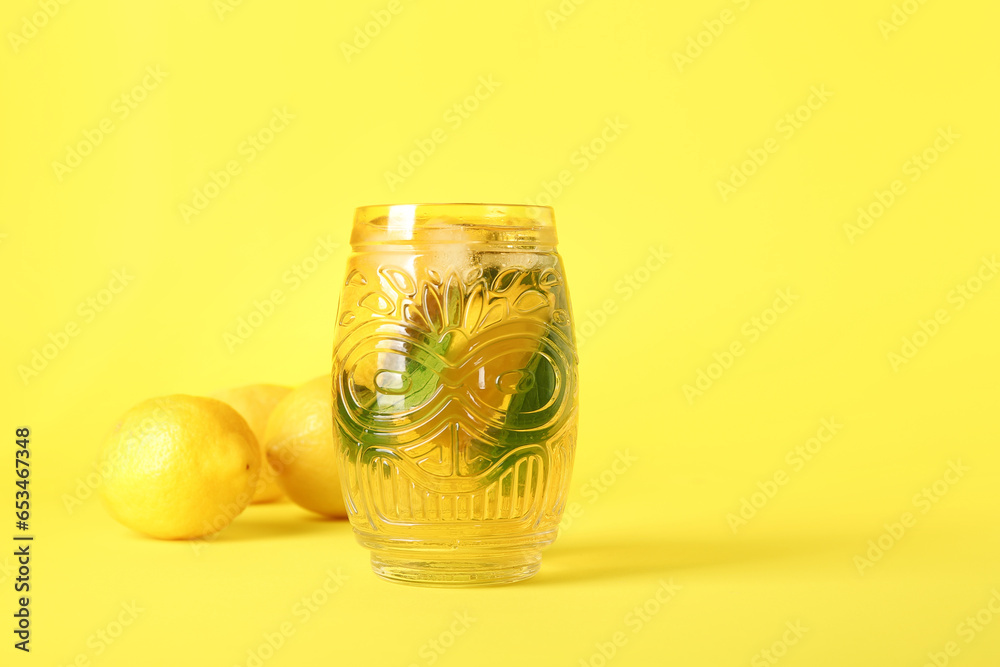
455	390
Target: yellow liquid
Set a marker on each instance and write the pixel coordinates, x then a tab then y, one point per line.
456	391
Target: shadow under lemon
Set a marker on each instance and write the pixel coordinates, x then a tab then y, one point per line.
259	522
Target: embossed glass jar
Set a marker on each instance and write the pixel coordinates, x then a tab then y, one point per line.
455	390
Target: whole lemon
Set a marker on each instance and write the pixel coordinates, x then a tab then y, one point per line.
179	467
255	403
300	446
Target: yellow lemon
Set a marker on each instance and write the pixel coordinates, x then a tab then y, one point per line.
179	467
300	446
255	403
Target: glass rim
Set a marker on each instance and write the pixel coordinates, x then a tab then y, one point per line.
489	213
504	224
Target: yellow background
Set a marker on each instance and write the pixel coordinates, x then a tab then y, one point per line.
665	516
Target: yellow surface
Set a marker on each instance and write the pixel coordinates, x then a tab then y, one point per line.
157	248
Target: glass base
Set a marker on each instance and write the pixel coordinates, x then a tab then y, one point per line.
434	569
